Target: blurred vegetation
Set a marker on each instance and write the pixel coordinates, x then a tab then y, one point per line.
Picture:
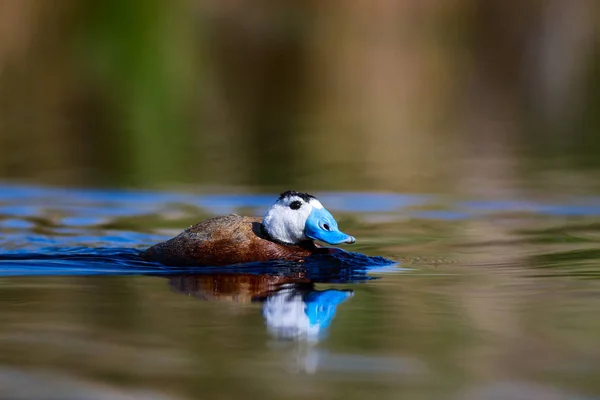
382	95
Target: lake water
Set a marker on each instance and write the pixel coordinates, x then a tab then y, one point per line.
484	299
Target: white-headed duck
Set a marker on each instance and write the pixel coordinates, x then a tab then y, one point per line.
287	232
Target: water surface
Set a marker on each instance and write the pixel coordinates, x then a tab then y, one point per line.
485	299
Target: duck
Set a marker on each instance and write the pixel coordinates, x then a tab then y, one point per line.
288	231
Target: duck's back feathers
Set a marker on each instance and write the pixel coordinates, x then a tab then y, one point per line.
224	240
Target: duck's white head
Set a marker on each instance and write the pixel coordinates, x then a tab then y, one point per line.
296	217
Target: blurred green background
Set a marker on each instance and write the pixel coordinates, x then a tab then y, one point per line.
408	96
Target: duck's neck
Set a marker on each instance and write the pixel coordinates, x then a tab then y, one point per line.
307	244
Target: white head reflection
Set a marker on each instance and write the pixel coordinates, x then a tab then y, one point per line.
291	314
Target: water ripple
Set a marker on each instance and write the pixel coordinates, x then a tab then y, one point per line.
343	267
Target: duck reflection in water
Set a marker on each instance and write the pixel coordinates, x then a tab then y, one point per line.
293	309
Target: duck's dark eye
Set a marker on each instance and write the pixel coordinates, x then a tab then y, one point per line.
326	227
295	205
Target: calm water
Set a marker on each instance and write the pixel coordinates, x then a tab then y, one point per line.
485	299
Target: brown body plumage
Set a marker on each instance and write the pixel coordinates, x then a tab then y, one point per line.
226	240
